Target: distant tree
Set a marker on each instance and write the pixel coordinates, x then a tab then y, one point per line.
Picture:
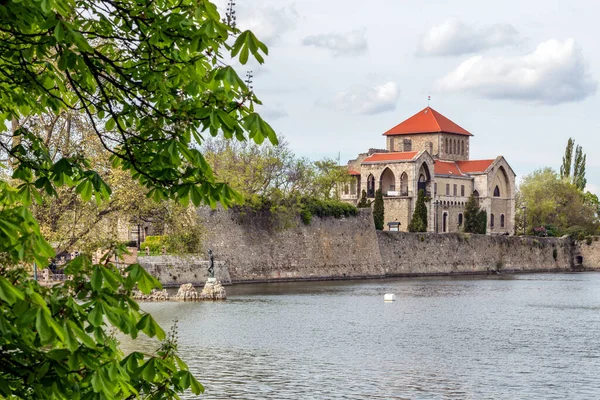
418	222
363	203
565	168
475	219
579	169
578	166
378	212
549	200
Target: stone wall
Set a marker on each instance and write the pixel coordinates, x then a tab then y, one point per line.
405	254
172	271
260	247
257	247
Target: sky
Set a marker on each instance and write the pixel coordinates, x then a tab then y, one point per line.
522	76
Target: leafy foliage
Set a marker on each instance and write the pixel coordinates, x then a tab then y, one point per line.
549	200
578	166
378	211
149	79
418	222
475	219
56	343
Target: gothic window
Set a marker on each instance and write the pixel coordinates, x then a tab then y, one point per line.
462	190
501	220
371	186
462	148
454	147
460	219
404	184
475	193
446	146
492	222
496	191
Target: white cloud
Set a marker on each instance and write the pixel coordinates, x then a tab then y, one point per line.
555	72
452	38
374	100
349	43
268	23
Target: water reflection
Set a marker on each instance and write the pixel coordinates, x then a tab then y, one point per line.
529	336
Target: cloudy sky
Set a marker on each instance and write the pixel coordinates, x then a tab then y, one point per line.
522	76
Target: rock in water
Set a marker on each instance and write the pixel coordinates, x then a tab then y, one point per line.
213	290
155	295
187	292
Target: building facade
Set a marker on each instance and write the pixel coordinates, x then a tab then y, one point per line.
430	152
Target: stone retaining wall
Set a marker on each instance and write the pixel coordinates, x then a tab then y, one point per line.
172	271
254	247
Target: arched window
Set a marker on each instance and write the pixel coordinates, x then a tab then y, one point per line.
496	191
446	146
371	186
455	150
501	220
460	219
462	147
404	184
475	193
492	222
445	222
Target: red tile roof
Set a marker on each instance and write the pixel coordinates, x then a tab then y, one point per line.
446	168
353	172
397	156
427	121
473	166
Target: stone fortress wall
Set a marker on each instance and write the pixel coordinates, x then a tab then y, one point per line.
253	248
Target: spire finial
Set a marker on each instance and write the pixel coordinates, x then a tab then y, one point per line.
428	100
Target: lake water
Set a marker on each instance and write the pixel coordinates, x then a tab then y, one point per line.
508	337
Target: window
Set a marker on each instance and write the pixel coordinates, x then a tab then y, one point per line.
353	186
447	189
446	146
391	144
462	190
434	189
346	188
455	190
407	145
475	193
492	222
501	220
460	219
496	191
454	148
462	150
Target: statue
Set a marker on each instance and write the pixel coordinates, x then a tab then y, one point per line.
211	265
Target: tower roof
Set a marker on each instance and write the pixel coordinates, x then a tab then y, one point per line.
427	121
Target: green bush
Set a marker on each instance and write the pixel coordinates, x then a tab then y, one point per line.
588	240
154	243
378	211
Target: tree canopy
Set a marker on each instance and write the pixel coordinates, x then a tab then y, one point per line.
550	200
152	81
475	217
418	223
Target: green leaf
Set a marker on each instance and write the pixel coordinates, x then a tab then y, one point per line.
96	280
96	316
8	292
42	325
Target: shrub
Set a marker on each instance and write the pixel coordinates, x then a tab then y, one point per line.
588	240
154	243
363	203
555	254
418	222
378	211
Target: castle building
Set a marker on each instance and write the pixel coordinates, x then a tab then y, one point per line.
430	152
